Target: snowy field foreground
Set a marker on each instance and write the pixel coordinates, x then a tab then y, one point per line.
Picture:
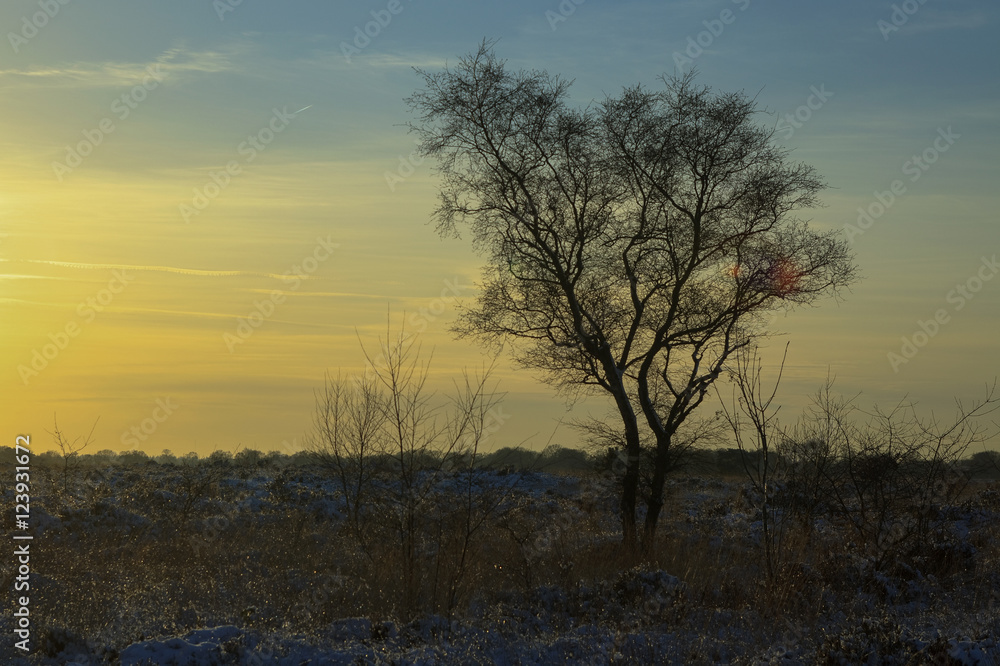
220	564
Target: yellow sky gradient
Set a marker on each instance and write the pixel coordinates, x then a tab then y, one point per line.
199	92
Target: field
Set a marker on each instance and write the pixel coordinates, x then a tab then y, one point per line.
266	562
219	562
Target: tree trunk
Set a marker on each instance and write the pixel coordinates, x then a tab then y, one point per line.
633	449
655	504
630	492
630	479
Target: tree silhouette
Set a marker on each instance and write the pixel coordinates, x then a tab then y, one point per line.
631	246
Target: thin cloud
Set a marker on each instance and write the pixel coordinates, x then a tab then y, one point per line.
334	60
187	314
931	20
947	21
326	294
14	276
172	62
159	269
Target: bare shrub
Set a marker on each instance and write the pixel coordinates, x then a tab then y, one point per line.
391	446
70	452
886	477
752	405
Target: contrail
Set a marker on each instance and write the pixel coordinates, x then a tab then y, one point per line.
12	276
161	269
302	109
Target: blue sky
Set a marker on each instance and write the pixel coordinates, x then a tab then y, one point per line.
888	93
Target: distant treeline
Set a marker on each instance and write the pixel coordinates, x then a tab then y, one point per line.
554	459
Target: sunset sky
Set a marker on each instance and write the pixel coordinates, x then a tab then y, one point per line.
167	167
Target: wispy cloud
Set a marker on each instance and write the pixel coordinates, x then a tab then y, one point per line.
172	62
159	269
950	22
327	294
334	60
12	276
935	20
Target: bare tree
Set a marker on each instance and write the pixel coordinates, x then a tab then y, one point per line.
631	246
390	442
347	440
752	404
70	450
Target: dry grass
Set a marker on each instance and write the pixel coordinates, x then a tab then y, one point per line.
122	567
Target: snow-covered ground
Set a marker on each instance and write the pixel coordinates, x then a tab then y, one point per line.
154	565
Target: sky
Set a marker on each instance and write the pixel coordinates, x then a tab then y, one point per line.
205	206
